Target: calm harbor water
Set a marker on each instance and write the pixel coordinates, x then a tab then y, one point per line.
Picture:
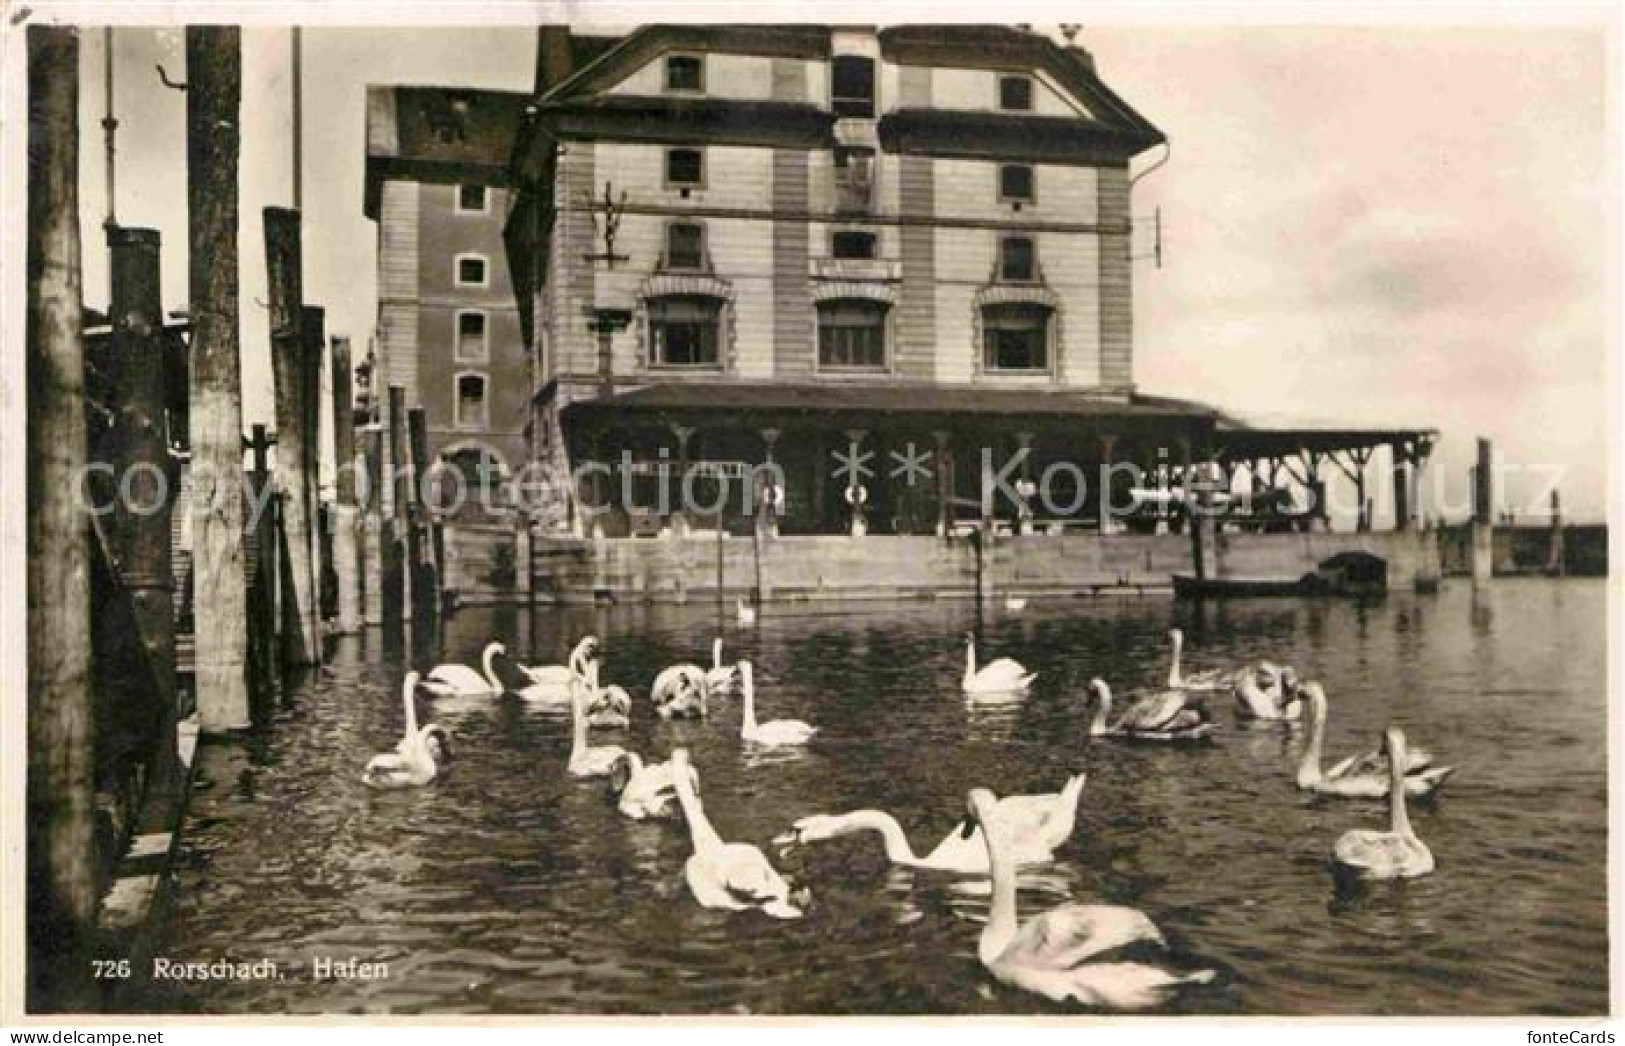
507	887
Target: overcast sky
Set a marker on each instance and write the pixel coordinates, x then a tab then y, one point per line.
1387	225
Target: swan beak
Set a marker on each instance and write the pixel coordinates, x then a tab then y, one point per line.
967	827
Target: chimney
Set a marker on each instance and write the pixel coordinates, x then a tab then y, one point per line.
554	61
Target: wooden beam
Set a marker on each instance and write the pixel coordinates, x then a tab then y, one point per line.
213	122
282	267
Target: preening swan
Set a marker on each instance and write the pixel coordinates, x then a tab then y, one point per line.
728	875
1264	691
720	678
587	760
680	692
1168	715
1035	826
1364	776
773	732
1362	854
1001	676
462	681
607	706
1049	955
645	791
419	754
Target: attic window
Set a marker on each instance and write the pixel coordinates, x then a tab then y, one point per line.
1016	93
685	72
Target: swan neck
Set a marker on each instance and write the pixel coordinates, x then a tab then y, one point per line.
1309	762
970	659
1097	725
898	850
700	832
749	711
1399	819
1173	666
716	653
578	718
1001	916
488	662
411	709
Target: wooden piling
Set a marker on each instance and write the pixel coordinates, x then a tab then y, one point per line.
346	537
263	641
220	591
313	337
372	570
393	586
62	872
420	542
282	270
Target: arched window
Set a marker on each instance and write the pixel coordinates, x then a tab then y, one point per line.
471	407
852	333
684	331
1016	337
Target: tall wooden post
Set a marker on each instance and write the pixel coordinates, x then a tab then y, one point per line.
1556	562
143	518
1482	549
372	566
282	270
313	338
945	483
394	551
262	618
213	97
1401	465
420	539
346	548
62	875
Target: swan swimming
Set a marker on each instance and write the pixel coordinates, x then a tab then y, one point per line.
735	876
550	684
1167	715
1364	776
1362	854
461	681
607	706
1000	676
1049	955
680	692
720	678
1035	826
587	760
773	732
643	791
419	754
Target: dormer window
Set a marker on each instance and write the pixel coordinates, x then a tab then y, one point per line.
852	86
1016	183
685	72
1016	93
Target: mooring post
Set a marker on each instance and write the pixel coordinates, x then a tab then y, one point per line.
1401	469
420	539
1556	564
220	590
1483	526
313	337
142	520
394	554
262	603
62	868
346	538
300	639
371	528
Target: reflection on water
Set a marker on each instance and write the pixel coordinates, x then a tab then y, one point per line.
508	887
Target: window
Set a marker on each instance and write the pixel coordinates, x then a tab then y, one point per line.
1015	337
1016	92
683	331
471	401
1016	183
854	178
470	270
1017	262
851	333
471	199
471	343
854	245
685	72
685	246
685	168
852	86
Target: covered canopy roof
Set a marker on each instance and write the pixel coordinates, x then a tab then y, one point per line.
1248	436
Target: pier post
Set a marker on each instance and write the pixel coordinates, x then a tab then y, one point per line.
1108	445
262	602
1556	565
313	336
346	553
420	538
945	484
300	637
372	564
1402	486
62	873
1482	550
393	586
220	589
143	517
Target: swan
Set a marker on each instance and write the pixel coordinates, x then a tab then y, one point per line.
607	706
728	875
721	677
746	613
643	791
550	684
462	681
1363	854
1266	692
1034	825
773	732
585	760
1364	776
1049	955
1167	715
680	692
996	677
419	754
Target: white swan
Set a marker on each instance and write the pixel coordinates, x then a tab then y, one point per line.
1396	853
720	678
1167	715
419	754
1035	826
607	706
735	876
1267	692
587	760
462	681
643	791
1001	676
1049	955
680	692
746	613
773	732
1363	776
550	684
